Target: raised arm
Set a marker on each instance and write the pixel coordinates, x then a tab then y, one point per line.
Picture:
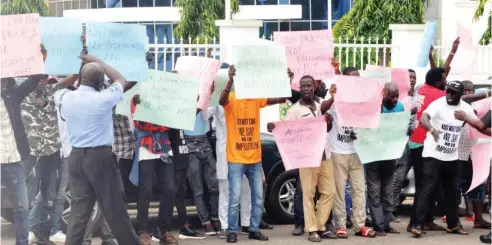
482	125
326	105
224	95
470	98
447	64
25	88
431	58
112	73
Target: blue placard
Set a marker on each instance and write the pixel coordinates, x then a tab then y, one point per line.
430	33
122	46
61	38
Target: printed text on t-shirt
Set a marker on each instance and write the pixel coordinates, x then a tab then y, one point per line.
449	143
246	130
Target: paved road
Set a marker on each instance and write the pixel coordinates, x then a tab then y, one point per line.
281	236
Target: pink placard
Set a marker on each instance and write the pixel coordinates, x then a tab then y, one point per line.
401	77
20	46
202	67
482	107
308	53
358	101
301	142
465	34
407	102
481	155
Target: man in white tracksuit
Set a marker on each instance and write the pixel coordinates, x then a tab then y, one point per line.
222	170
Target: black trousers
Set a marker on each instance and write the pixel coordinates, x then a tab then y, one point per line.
435	171
179	201
148	169
418	169
298	204
94	175
380	178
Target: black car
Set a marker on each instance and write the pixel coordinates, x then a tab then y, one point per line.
279	189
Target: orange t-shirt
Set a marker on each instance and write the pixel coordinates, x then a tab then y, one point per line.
243	129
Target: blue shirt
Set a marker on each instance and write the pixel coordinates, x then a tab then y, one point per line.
202	126
398	108
89	114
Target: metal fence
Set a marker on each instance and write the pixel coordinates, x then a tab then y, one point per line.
357	53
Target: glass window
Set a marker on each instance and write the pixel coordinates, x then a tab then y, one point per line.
150	32
268	29
319	25
284	26
146	3
266	2
300	26
283	1
305	7
246	2
319	9
162	3
93	4
113	3
129	3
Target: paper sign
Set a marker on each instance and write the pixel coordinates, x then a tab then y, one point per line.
20	45
301	142
220	82
122	46
401	77
169	100
481	155
482	107
358	101
430	33
465	36
261	72
203	68
308	53
124	107
407	102
386	142
61	38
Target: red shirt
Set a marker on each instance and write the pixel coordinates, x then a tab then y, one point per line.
148	141
427	95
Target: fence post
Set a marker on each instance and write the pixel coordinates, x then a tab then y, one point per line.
405	47
236	32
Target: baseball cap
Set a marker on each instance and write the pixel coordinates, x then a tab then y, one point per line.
455	86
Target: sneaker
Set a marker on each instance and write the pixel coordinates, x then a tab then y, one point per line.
222	234
485	238
216	225
231	237
265	226
168	239
32	238
187	233
245	230
257	236
145	239
155	239
58	237
209	230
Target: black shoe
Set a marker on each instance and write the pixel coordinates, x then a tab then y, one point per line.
485	238
298	230
216	225
257	236
231	237
314	237
187	233
265	226
368	223
349	223
45	242
245	230
209	230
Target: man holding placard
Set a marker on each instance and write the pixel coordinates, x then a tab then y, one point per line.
244	155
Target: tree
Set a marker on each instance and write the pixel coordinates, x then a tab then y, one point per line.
479	13
24	7
198	18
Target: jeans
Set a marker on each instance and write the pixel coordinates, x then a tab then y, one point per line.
203	169
435	171
165	177
61	196
13	178
254	174
298	205
348	198
380	178
41	216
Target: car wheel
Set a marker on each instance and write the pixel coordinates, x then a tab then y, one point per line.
8	214
95	217
280	202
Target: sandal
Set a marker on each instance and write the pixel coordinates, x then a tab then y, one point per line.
327	235
366	232
431	226
392	231
458	230
484	225
416	231
314	237
380	233
342	233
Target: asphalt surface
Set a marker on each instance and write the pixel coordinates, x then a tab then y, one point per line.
281	235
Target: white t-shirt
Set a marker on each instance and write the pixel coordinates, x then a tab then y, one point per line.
339	140
442	118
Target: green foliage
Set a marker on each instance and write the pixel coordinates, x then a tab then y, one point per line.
480	9
487	35
24	7
371	18
198	18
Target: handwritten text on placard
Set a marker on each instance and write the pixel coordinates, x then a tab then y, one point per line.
261	71
20	46
122	46
301	142
168	99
